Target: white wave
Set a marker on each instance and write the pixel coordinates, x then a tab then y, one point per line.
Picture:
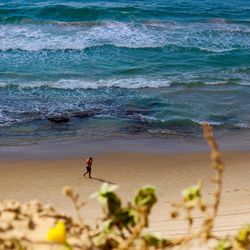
218	20
243	125
213	123
216	37
6	120
245	83
215	82
218	50
130	83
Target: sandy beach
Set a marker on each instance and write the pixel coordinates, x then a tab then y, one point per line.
156	92
169	173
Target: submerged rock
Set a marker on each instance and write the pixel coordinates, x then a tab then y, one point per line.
83	114
86	113
60	118
136	128
65	117
135	111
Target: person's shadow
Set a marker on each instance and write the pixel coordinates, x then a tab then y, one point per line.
102	180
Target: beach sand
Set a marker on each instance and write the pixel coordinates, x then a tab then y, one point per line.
169	173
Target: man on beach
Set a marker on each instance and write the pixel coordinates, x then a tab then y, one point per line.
89	162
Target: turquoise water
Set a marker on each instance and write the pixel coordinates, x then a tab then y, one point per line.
148	68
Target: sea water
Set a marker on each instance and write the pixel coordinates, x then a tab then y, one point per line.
137	68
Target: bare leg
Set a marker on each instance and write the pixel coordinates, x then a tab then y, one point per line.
86	172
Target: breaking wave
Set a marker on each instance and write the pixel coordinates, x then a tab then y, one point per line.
60	36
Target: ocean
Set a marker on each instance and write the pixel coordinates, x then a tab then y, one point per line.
122	69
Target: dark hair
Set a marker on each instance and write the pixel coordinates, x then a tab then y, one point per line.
90	158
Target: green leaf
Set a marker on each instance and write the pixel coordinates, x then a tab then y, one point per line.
145	197
126	217
110	201
191	193
223	245
155	241
105	188
243	236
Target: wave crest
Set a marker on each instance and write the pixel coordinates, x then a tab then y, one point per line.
203	36
134	83
124	83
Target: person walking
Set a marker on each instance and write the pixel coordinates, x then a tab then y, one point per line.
89	162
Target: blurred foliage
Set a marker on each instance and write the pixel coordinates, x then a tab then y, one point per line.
223	245
120	222
191	193
243	237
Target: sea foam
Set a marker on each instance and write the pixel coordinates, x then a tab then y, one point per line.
204	36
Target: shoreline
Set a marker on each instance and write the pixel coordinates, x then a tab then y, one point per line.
70	149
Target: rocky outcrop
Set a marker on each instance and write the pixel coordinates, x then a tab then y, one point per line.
65	117
60	118
85	114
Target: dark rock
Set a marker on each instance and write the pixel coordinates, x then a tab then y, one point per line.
59	118
133	111
136	128
83	114
88	113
